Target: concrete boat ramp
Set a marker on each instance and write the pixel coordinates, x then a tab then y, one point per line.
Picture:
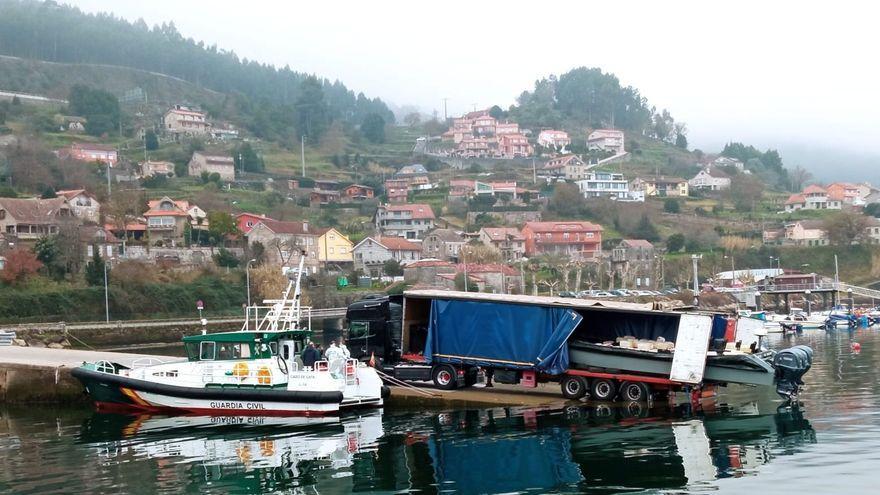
42	375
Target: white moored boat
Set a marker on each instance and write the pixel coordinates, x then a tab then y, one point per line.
253	371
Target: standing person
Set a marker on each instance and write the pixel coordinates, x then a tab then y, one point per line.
489	372
310	355
346	354
333	352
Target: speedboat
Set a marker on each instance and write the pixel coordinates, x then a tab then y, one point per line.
254	371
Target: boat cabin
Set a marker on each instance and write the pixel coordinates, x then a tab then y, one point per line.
227	346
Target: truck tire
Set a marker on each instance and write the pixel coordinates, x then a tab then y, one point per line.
634	392
574	387
444	377
603	389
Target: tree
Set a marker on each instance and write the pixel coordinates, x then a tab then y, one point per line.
392	268
311	113
95	269
151	141
21	263
373	128
412	119
480	253
872	209
799	177
675	243
844	228
671	206
496	112
460	283
566	201
225	258
746	191
681	140
247	159
47	252
646	230
221	225
99	107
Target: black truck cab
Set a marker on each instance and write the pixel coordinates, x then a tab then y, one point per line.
374	328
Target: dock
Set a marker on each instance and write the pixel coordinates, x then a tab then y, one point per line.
42	375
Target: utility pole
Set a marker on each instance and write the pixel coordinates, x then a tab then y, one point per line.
109	192
302	151
696	258
445	115
534	172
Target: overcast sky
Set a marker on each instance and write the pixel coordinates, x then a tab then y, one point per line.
763	72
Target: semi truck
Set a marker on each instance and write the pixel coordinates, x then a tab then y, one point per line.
606	349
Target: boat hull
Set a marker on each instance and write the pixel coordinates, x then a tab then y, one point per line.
119	393
741	368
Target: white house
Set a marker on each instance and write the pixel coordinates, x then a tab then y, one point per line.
551	138
710	179
607	140
604	185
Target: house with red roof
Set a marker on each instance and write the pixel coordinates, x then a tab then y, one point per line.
371	253
90	152
410	221
166	221
816	198
495	277
796	201
513	146
577	240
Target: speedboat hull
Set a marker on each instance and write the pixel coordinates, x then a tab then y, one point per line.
751	369
116	392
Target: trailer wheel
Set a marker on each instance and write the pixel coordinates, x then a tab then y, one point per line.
574	387
444	377
603	389
634	392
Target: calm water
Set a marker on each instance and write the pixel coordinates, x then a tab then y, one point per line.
743	443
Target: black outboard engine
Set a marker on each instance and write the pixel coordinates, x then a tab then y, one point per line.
791	364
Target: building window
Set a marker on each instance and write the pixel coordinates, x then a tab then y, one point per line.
331	251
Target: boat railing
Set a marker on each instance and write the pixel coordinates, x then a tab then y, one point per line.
276	315
104	366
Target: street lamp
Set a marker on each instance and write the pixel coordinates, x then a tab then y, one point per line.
809	303
247	274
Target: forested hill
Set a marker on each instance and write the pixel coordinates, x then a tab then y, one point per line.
59	33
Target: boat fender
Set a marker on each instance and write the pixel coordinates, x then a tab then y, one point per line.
386	391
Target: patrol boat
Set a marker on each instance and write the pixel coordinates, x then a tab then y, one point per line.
254	371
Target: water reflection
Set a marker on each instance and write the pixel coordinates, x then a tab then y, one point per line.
478	451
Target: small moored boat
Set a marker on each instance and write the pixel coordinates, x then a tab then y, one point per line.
254	371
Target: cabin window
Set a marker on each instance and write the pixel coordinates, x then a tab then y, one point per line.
192	350
208	351
273	346
234	350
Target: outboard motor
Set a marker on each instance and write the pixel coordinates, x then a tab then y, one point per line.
791	364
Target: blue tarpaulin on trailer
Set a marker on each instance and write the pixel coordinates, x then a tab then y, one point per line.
500	334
